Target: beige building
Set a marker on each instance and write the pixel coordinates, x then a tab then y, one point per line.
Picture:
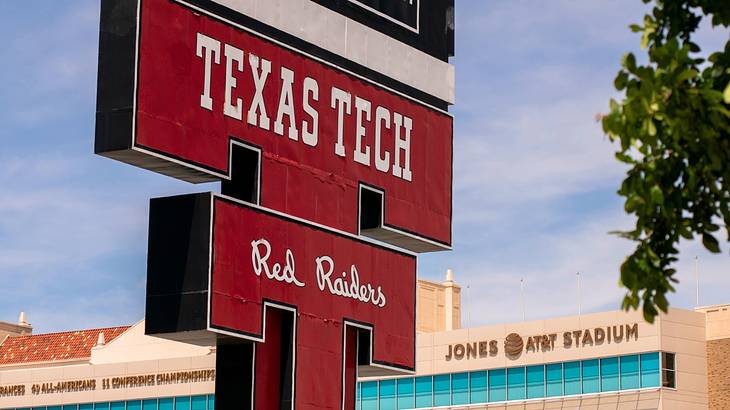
15	329
610	360
439	305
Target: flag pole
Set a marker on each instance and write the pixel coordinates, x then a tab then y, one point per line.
580	294
697	281
522	297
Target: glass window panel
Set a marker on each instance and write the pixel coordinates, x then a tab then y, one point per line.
118	405
101	406
516	383
182	403
150	404
669	379
370	396
165	404
198	402
424	392
38	408
554	379
357	396
478	387
668	371
86	406
649	367
442	390
571	375
460	388
387	394
406	397
609	374
591	370
53	408
668	361
630	372
497	385
70	407
136	405
211	402
535	382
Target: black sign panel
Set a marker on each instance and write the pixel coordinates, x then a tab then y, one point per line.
427	25
404	12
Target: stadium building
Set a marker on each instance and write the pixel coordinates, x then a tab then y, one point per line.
610	360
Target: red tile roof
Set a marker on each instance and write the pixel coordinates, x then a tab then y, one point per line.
54	346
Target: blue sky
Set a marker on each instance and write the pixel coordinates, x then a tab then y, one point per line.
534	181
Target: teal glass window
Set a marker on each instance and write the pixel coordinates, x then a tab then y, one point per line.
387	394
149	404
460	388
53	408
571	375
478	387
70	407
370	396
357	395
165	404
554	380
630	372
497	385
649	366
101	406
86	406
182	403
609	374
535	382
118	405
211	402
406	396
516	383
424	392
442	390
197	403
591	370
136	405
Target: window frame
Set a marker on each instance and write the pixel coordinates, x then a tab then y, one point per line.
665	370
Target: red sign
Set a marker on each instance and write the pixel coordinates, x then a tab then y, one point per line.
203	82
259	259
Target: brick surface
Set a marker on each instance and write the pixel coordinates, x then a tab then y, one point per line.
718	374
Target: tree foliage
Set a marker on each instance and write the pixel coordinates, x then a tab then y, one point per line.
673	126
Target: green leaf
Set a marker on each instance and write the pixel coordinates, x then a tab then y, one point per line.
710	243
651	128
629	61
686	75
726	94
656	195
661	302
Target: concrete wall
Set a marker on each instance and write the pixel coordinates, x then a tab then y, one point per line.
432	349
134	345
12	329
683	332
718	356
439	306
